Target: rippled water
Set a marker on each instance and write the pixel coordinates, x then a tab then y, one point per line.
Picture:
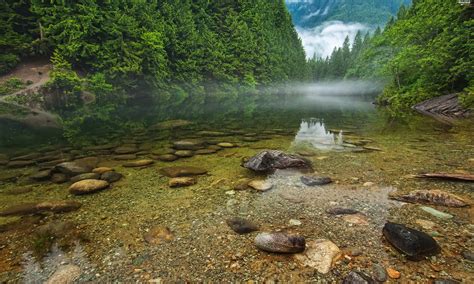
367	152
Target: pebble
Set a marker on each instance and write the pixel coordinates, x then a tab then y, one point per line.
425	224
85	176
241	225
182	182
182	171
184	153
356	219
167	157
469	255
392	273
260	185
65	274
379	273
294	222
158	235
226	145
321	255
368	184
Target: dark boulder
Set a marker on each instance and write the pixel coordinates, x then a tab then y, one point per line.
241	226
270	160
280	242
315	180
357	277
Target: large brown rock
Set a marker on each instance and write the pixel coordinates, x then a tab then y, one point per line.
270	160
182	171
88	186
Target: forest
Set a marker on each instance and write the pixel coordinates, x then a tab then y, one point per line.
424	52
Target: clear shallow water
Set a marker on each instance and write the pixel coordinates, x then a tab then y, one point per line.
105	238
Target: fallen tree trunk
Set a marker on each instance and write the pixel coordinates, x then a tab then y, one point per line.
444	108
452	176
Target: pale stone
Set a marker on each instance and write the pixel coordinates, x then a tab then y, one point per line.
320	254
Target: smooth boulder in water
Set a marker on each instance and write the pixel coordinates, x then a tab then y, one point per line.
280	242
88	186
241	226
413	243
270	160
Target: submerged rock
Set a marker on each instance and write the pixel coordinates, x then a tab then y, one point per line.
125	150
88	186
270	160
357	277
260	185
157	235
184	153
413	243
20	164
280	242
139	163
190	144
341	211
226	145
205	151
379	273
182	171
182	182
170	124
321	255
39	207
65	274
436	213
166	157
59	178
85	176
241	226
72	168
41	175
125	157
111	176
315	180
102	170
436	197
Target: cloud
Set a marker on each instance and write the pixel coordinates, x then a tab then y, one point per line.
322	39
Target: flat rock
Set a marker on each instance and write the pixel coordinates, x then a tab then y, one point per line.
226	145
357	277
242	184
182	181
241	226
189	144
280	242
184	153
20	164
315	180
85	176
39	207
205	152
125	150
65	274
18	190
182	171
59	178
341	211
111	177
88	186
260	185
139	163
413	243
41	175
171	124
125	157
211	133
158	235
101	170
320	254
435	197
270	160
72	168
448	176
166	157
425	224
356	219
26	157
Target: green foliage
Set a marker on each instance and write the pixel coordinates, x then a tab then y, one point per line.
11	85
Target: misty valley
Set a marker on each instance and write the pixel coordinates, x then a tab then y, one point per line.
236	141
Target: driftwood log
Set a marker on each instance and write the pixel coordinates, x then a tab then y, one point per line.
444	108
452	176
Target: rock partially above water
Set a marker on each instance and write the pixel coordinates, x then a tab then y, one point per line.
280	242
88	186
139	163
413	243
182	171
321	255
182	182
38	207
270	160
436	197
241	226
357	277
315	180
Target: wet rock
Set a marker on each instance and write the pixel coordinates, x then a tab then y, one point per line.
211	133
242	184
214	147
166	157
158	235
184	153
190	144
182	171
20	164
111	177
58	178
445	281
250	139
4	157
241	226
294	222
87	162
65	274
205	152
436	213
435	197
30	156
469	255
62	206
41	175
413	243
226	145
182	182
18	190
72	169
101	170
425	224
52	164
100	147
171	124
139	163
125	150
260	185
341	211
88	186
371	148
392	273
280	242
315	180
379	273
357	277
356	219
320	254
85	176
270	160
3	162
125	157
